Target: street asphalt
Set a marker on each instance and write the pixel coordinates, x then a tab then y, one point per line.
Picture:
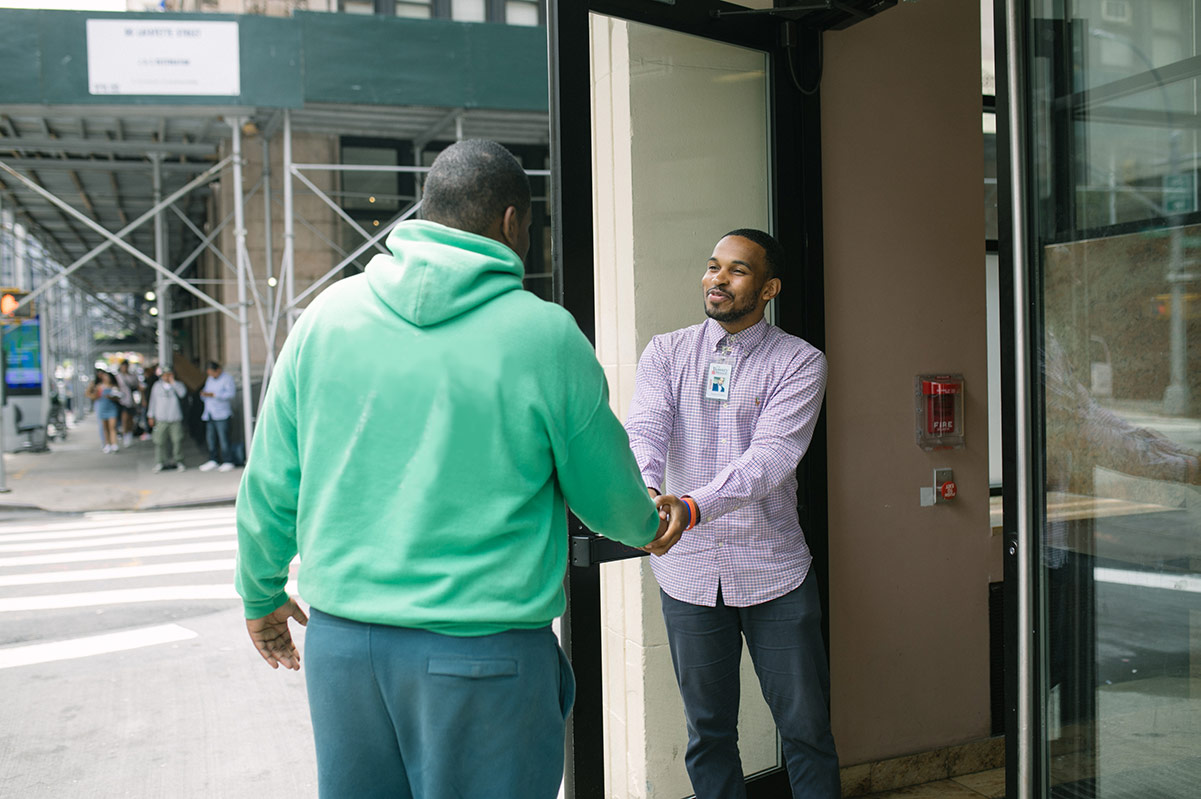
125	666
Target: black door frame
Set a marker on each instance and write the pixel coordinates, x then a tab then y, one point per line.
793	52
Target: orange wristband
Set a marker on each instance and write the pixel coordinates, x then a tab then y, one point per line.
694	513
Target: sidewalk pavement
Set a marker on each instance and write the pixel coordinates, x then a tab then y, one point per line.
75	476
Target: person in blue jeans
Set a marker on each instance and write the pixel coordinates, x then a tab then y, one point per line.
218	394
722	452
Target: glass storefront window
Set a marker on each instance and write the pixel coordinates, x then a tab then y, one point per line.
1113	96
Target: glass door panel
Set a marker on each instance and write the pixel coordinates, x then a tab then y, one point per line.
680	156
1114	98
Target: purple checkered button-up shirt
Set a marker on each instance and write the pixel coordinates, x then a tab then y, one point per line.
737	458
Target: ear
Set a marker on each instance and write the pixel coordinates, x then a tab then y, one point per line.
510	225
770	289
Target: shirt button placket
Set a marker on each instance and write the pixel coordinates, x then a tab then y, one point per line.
727	420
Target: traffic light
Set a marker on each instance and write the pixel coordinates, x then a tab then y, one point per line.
9	300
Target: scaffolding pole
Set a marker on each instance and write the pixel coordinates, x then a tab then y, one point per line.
240	250
268	232
289	271
160	255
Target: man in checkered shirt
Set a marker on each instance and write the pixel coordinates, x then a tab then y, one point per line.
722	413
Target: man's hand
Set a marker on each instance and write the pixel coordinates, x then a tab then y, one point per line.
273	639
673	518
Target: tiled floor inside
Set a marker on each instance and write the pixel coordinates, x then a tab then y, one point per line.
984	785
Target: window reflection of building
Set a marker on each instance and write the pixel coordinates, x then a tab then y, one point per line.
1118	178
1083	437
1108	471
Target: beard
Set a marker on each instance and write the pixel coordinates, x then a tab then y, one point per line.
733	313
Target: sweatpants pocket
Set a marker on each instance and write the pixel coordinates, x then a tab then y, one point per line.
473	668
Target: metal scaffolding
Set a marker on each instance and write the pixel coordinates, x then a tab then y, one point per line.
259	295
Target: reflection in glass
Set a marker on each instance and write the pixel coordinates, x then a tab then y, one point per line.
990	176
1115	116
681	155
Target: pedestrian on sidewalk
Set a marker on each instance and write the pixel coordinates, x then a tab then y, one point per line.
105	394
218	393
129	385
152	374
165	415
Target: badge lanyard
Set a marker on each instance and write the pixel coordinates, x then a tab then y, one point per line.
721	368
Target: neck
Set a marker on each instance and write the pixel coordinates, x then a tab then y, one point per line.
739	325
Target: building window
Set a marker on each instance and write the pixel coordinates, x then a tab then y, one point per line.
527	13
469	10
413	9
523	12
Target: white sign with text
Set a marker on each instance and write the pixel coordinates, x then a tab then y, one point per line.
168	57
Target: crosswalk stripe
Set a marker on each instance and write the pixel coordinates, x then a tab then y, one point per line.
106	561
93	645
135	538
122	596
118	554
133	529
118	572
91	521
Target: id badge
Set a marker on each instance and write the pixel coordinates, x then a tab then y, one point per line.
718	384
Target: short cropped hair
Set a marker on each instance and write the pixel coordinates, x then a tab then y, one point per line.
774	252
471	184
214	365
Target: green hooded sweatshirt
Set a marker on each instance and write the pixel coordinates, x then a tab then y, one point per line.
422	429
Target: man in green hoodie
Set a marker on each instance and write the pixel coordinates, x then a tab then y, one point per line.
424	427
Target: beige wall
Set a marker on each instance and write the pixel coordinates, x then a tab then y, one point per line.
905	294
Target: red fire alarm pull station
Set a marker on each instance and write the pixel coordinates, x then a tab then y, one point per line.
939	410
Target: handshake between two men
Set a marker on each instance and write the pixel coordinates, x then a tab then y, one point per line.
675	516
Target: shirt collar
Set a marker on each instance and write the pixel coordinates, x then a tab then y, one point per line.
747	339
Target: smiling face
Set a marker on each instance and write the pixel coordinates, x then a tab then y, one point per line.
736	285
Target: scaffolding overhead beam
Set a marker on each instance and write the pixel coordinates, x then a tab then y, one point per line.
114	239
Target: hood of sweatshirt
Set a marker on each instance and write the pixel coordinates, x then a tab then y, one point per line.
436	273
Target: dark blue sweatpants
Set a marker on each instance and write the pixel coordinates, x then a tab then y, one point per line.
401	713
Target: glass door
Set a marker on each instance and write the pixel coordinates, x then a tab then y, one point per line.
1107	107
667	126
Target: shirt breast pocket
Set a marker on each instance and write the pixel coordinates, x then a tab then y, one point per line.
746	410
